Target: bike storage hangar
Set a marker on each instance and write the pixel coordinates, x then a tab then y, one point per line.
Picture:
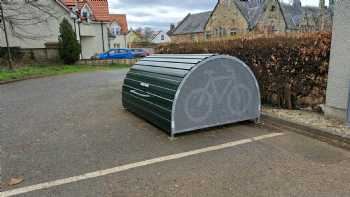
180	93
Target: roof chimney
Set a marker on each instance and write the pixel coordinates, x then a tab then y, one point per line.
322	4
297	6
322	14
172	27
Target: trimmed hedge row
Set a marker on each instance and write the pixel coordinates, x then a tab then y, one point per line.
15	52
291	70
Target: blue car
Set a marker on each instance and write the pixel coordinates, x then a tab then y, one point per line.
117	54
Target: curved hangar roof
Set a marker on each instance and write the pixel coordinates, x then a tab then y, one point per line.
180	93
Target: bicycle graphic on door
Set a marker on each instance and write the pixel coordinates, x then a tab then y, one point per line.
200	102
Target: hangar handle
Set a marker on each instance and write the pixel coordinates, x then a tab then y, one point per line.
140	94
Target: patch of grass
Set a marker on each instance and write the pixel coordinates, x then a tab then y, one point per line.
50	70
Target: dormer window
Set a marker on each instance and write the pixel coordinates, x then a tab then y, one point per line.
86	11
273	8
116	29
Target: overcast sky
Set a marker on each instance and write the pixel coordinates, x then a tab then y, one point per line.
159	14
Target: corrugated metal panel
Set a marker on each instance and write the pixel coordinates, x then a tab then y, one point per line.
160	70
166	64
182	56
151	84
174	59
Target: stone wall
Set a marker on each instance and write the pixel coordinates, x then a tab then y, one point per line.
272	19
339	71
191	37
107	62
226	20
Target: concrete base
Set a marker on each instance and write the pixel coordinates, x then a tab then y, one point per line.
336	113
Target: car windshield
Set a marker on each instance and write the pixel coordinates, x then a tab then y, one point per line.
111	52
137	50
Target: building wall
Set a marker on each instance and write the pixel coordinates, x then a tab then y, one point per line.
272	20
158	38
226	20
91	39
49	31
308	24
191	37
339	71
120	41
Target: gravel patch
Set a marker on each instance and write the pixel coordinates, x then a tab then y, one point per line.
313	119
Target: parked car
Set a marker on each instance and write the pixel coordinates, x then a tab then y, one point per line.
140	52
117	54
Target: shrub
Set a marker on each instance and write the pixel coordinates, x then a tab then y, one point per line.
291	70
16	52
69	47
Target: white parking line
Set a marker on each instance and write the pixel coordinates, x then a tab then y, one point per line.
126	167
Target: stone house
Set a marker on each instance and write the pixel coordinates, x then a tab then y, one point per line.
191	28
90	20
232	17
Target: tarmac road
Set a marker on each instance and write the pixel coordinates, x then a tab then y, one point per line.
63	127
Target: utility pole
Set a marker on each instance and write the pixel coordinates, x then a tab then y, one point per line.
9	58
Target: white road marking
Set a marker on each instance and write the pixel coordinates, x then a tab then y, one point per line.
126	167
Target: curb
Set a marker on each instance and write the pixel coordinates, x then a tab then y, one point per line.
44	76
316	133
24	79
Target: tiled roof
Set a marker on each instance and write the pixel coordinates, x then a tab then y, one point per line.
121	20
293	16
251	10
69	2
100	11
193	23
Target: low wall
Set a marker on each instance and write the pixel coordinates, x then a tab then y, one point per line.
106	62
41	55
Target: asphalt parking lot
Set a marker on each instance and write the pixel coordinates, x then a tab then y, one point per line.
69	136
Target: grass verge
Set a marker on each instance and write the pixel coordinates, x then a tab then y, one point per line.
50	70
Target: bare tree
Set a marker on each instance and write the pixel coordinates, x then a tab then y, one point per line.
19	14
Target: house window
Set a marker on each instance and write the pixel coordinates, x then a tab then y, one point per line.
233	32
273	8
193	37
273	28
207	35
222	32
217	32
116	29
86	12
162	37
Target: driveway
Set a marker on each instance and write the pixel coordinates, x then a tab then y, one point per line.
69	136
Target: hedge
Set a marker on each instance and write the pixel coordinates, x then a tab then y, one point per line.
291	69
15	52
